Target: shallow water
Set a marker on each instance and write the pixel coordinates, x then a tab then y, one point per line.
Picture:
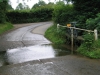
36	52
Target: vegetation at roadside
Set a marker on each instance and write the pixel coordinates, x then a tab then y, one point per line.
94	23
85	12
56	36
90	47
5	27
29	16
40	12
63	13
87	16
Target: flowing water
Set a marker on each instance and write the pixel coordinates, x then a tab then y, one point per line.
36	52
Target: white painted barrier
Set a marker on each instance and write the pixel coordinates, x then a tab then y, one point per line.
72	35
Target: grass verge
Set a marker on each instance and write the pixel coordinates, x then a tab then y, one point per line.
55	36
5	27
92	52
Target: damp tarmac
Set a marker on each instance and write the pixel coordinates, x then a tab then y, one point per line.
28	43
36	52
24	52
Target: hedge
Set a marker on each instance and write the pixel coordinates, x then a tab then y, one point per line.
29	16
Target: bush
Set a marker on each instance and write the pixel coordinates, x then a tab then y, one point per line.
85	9
3	5
34	15
94	23
90	48
88	41
92	54
63	14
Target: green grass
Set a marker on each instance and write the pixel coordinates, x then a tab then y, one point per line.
93	52
57	37
5	27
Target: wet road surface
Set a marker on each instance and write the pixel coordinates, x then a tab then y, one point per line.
65	65
24	39
36	52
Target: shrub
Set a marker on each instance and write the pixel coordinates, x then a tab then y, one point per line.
3	5
90	48
88	41
94	23
63	14
34	15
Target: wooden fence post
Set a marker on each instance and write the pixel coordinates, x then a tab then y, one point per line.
95	34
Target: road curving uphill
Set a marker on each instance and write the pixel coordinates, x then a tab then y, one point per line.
33	34
25	35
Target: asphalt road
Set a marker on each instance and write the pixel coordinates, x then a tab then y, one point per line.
25	36
65	65
25	33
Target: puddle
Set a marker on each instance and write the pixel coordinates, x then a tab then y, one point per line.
36	52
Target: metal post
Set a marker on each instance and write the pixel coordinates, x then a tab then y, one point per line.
72	40
95	34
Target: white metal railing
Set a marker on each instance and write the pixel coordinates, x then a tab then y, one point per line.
95	30
72	35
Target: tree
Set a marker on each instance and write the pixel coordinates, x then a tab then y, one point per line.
51	4
39	4
60	3
20	6
9	7
3	6
25	6
87	6
85	9
35	5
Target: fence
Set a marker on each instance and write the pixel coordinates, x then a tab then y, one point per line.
72	36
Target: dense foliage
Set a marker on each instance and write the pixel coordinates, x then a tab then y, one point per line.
27	16
63	13
93	23
85	9
90	47
3	6
79	11
22	6
39	4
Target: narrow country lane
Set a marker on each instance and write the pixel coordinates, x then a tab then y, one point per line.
24	52
23	37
